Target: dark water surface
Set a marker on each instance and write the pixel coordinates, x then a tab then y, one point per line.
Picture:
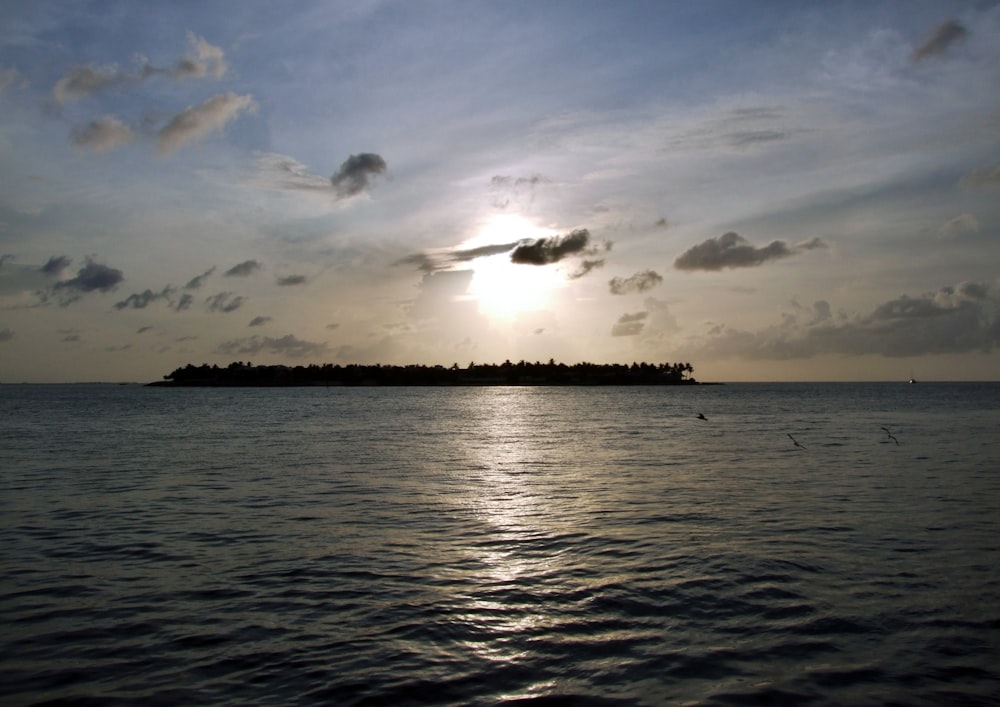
501	545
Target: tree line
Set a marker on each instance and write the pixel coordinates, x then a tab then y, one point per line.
239	373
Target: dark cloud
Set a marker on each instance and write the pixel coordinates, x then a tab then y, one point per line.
585	267
145	298
629	324
6	335
259	321
247	267
289	280
144	329
92	277
56	265
428	262
224	302
356	172
640	282
552	249
960	319
942	37
198	280
184	302
730	250
287	345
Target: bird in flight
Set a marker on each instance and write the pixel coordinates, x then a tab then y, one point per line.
701	416
795	441
891	436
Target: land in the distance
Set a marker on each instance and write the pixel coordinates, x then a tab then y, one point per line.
239	373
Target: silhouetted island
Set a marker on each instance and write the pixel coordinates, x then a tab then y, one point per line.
239	373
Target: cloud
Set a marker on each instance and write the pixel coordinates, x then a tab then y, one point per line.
259	321
519	189
585	267
284	172
942	37
6	335
356	172
629	324
145	298
197	281
208	60
84	80
56	265
431	262
640	282
92	277
247	267
287	345
81	81
552	249
730	250
11	77
959	226
987	178
183	303
103	134
224	302
956	319
289	280
196	123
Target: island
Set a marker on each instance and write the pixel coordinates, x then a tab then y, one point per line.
245	374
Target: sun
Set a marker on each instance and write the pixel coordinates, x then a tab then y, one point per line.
502	289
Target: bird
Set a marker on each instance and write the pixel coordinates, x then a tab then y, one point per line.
891	436
795	441
701	416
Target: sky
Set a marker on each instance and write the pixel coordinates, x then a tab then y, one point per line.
770	191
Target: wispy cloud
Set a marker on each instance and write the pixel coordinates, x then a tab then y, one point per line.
629	324
196	123
731	250
103	134
247	267
145	298
56	265
984	177
956	319
259	321
287	345
640	282
224	302
959	226
84	80
291	280
197	281
939	40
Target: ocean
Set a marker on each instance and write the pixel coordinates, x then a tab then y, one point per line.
501	545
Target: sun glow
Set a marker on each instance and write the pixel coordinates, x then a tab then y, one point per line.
504	289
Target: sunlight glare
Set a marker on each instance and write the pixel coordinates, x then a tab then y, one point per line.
504	289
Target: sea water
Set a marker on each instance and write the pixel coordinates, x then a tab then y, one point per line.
501	545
